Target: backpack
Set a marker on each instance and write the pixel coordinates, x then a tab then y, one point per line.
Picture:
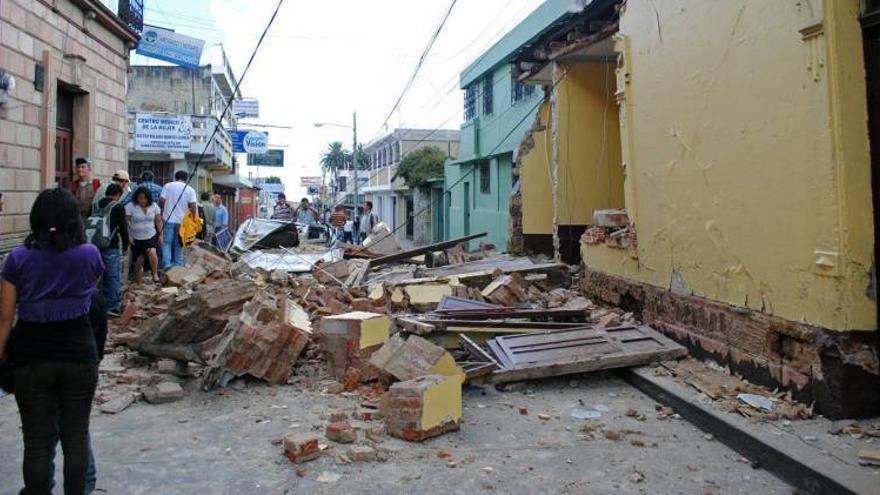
98	230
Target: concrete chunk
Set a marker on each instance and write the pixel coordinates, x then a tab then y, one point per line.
428	406
163	393
415	357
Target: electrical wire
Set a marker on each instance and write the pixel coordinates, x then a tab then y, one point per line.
421	62
228	105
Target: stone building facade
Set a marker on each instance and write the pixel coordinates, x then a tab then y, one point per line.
70	61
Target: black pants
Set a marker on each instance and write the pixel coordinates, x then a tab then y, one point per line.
47	392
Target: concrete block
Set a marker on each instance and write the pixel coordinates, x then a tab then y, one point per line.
415	357
362	453
614	219
163	393
349	339
428	406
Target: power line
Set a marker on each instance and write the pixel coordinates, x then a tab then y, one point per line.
421	61
228	104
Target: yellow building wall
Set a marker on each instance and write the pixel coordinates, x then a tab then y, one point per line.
744	136
590	168
534	180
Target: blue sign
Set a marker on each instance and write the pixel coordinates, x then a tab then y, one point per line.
314	190
164	44
255	142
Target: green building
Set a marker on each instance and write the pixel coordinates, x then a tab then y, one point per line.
497	112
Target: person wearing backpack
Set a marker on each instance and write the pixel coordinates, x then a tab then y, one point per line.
367	222
113	236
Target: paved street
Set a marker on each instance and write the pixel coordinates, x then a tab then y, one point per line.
222	443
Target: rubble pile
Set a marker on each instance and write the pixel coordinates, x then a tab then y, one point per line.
401	329
734	393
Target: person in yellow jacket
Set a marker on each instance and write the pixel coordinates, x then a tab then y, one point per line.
189	228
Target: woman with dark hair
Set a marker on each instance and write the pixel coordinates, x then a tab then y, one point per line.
145	229
51	280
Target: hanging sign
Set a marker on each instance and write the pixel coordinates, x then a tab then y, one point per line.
253	142
273	158
246	107
162	132
165	44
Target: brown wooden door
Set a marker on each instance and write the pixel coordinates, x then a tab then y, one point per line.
63	158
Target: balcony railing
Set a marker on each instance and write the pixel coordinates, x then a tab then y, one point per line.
132	14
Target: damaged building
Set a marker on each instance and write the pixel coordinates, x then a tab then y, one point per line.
709	164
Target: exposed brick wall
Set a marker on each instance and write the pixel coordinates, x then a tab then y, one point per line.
838	371
29	30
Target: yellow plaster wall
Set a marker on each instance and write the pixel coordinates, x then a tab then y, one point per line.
535	185
590	168
746	154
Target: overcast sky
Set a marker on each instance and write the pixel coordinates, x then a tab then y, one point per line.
324	59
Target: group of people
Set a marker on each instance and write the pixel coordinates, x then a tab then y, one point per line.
57	290
349	228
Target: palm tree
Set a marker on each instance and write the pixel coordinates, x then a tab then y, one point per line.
363	159
333	159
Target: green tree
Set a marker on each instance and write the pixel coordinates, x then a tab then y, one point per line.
334	158
418	166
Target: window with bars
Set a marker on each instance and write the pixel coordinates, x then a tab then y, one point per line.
470	103
163	172
487	95
521	91
485	178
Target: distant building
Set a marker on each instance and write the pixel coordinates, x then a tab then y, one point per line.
498	111
393	201
200	97
69	59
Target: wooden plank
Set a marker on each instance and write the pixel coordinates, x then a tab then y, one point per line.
501	324
403	255
448	302
505	312
475	350
569	351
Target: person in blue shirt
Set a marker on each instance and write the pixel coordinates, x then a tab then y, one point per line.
222	235
147	181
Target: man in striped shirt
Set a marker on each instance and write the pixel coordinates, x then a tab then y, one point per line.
283	212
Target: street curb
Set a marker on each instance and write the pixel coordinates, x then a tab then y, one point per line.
784	457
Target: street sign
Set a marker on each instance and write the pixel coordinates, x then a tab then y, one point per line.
254	142
162	132
310	181
165	44
273	158
246	107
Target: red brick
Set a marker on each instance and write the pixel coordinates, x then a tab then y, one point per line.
340	432
301	447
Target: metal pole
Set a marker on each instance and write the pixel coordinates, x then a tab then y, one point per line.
354	156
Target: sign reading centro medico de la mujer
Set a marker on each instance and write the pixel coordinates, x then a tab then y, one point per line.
165	44
162	132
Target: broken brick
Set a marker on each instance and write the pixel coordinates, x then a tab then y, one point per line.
414	357
163	393
349	339
425	407
362	453
301	447
340	432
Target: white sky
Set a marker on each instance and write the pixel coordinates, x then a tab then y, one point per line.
324	59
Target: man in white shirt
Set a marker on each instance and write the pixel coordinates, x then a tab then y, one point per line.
175	199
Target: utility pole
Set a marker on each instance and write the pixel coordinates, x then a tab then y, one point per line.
354	156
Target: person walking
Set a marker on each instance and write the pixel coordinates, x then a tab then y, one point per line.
282	211
147	178
85	188
50	281
222	234
176	198
120	178
145	227
348	229
209	215
113	211
368	220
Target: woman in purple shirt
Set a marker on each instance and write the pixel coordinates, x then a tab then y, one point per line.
51	280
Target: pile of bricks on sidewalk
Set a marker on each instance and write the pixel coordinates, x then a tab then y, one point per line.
218	319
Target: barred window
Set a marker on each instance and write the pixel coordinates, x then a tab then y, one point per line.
485	178
470	103
487	95
521	91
